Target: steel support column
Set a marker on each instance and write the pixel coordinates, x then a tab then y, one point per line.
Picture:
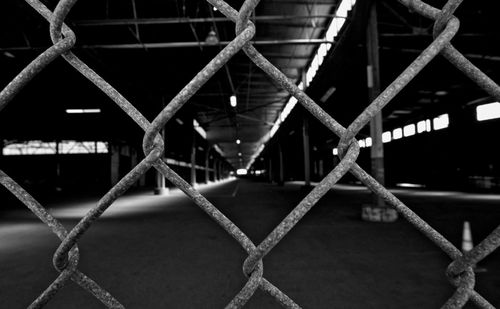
281	179
378	211
214	166
193	157
307	154
115	164
270	172
207	167
58	182
305	142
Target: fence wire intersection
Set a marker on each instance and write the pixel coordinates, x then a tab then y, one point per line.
460	270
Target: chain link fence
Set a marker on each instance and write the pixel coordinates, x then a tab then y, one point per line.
459	272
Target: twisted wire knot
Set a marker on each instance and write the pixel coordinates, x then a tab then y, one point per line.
444	16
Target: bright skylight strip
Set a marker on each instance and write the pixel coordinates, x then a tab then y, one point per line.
199	129
332	31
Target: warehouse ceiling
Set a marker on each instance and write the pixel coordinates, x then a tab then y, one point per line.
149	50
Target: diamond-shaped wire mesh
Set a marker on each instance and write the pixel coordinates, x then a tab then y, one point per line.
459	272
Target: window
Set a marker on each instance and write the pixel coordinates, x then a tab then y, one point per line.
441	122
51	148
75	147
29	148
424	126
397	133
386	137
368	142
409	130
362	143
241	171
488	111
335	151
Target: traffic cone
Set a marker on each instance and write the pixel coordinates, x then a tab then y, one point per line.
467	244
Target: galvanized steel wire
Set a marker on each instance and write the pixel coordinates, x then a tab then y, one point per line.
460	271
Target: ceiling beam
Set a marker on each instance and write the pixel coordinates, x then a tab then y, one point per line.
418	51
312	2
204	44
187	20
181	45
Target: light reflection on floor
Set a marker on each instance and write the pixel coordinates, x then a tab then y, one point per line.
131	204
27	230
14	234
416	192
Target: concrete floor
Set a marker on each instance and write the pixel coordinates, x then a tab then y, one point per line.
163	252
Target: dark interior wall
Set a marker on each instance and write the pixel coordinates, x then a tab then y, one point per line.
38	175
48	174
464	156
39	172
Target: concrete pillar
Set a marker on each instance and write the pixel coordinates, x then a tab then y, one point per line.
207	166
133	161
270	171
305	141
160	184
281	179
307	155
193	157
58	181
115	163
377	211
214	166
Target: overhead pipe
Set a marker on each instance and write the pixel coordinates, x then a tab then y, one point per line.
187	20
204	44
173	45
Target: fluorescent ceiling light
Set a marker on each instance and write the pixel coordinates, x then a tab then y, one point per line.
328	94
199	129
217	148
83	111
9	54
